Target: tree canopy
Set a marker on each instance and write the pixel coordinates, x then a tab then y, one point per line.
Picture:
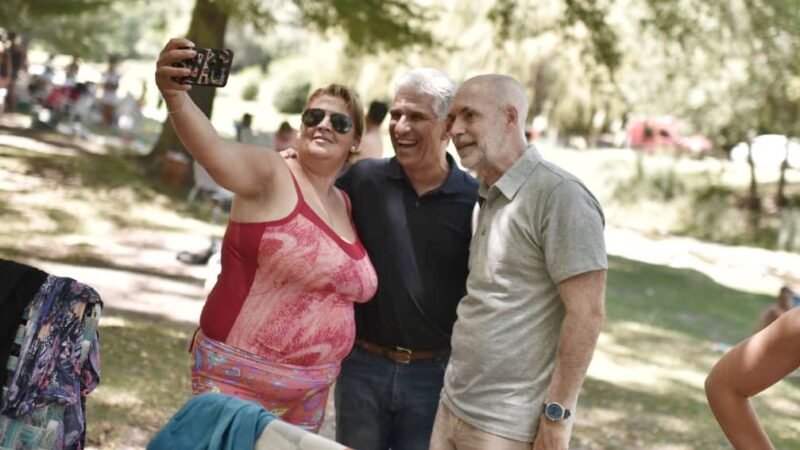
723	67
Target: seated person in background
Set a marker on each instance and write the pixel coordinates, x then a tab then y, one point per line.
279	320
372	143
285	137
109	99
749	368
244	129
784	303
71	71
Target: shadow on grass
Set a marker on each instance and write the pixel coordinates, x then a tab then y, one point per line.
672	415
614	416
47	136
659	335
144	377
90	259
89	170
680	300
98	172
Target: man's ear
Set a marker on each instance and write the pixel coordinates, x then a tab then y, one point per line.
445	136
512	116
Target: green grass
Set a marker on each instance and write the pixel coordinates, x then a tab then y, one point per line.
644	389
683	301
144	378
645	386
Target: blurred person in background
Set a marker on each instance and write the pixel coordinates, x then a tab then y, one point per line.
279	320
372	142
784	302
18	60
71	72
109	98
285	137
5	70
244	129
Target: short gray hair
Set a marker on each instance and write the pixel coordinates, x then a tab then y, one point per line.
432	82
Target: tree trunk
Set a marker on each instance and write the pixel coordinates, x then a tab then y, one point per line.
207	29
753	200
780	196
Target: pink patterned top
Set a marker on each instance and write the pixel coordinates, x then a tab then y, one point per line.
287	288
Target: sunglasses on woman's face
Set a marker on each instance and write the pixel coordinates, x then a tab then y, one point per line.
339	122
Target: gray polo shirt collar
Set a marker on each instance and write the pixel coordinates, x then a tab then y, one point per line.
511	181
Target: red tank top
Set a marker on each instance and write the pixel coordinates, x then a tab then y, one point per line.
287	288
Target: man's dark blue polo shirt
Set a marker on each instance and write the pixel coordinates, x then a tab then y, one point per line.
419	247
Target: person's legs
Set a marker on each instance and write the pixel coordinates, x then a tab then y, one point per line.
443	430
361	397
416	398
452	433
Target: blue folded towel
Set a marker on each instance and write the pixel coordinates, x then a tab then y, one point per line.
215	422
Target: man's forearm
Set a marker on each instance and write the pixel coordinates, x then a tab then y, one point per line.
579	334
584	300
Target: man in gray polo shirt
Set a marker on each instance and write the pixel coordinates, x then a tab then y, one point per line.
527	328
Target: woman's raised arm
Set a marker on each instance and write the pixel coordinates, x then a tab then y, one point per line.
243	169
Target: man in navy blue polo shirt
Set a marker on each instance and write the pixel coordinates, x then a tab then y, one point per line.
413	213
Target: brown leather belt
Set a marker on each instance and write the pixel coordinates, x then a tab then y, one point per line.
400	354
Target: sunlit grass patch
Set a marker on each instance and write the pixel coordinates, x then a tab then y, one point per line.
645	385
144	379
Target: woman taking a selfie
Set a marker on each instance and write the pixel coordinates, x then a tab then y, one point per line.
280	318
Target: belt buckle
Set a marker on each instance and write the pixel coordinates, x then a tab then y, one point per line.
406	354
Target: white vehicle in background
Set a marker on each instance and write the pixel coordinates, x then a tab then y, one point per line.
769	151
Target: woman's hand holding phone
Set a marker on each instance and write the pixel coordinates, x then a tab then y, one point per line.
167	74
182	65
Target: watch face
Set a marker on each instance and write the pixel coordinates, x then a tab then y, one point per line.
554	411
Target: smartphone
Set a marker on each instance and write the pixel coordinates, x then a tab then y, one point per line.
210	67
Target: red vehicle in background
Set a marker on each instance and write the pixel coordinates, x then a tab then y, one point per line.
663	133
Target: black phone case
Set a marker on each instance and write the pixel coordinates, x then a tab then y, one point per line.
210	67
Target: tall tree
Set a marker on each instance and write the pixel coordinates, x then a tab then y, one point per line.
370	26
20	14
76	27
206	29
749	77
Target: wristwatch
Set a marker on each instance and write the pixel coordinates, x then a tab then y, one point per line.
555	412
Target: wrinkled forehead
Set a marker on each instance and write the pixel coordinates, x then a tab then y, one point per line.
330	103
476	92
408	100
472	98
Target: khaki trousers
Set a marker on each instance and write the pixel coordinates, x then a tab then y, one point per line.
452	433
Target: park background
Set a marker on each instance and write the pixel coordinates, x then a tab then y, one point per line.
699	241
